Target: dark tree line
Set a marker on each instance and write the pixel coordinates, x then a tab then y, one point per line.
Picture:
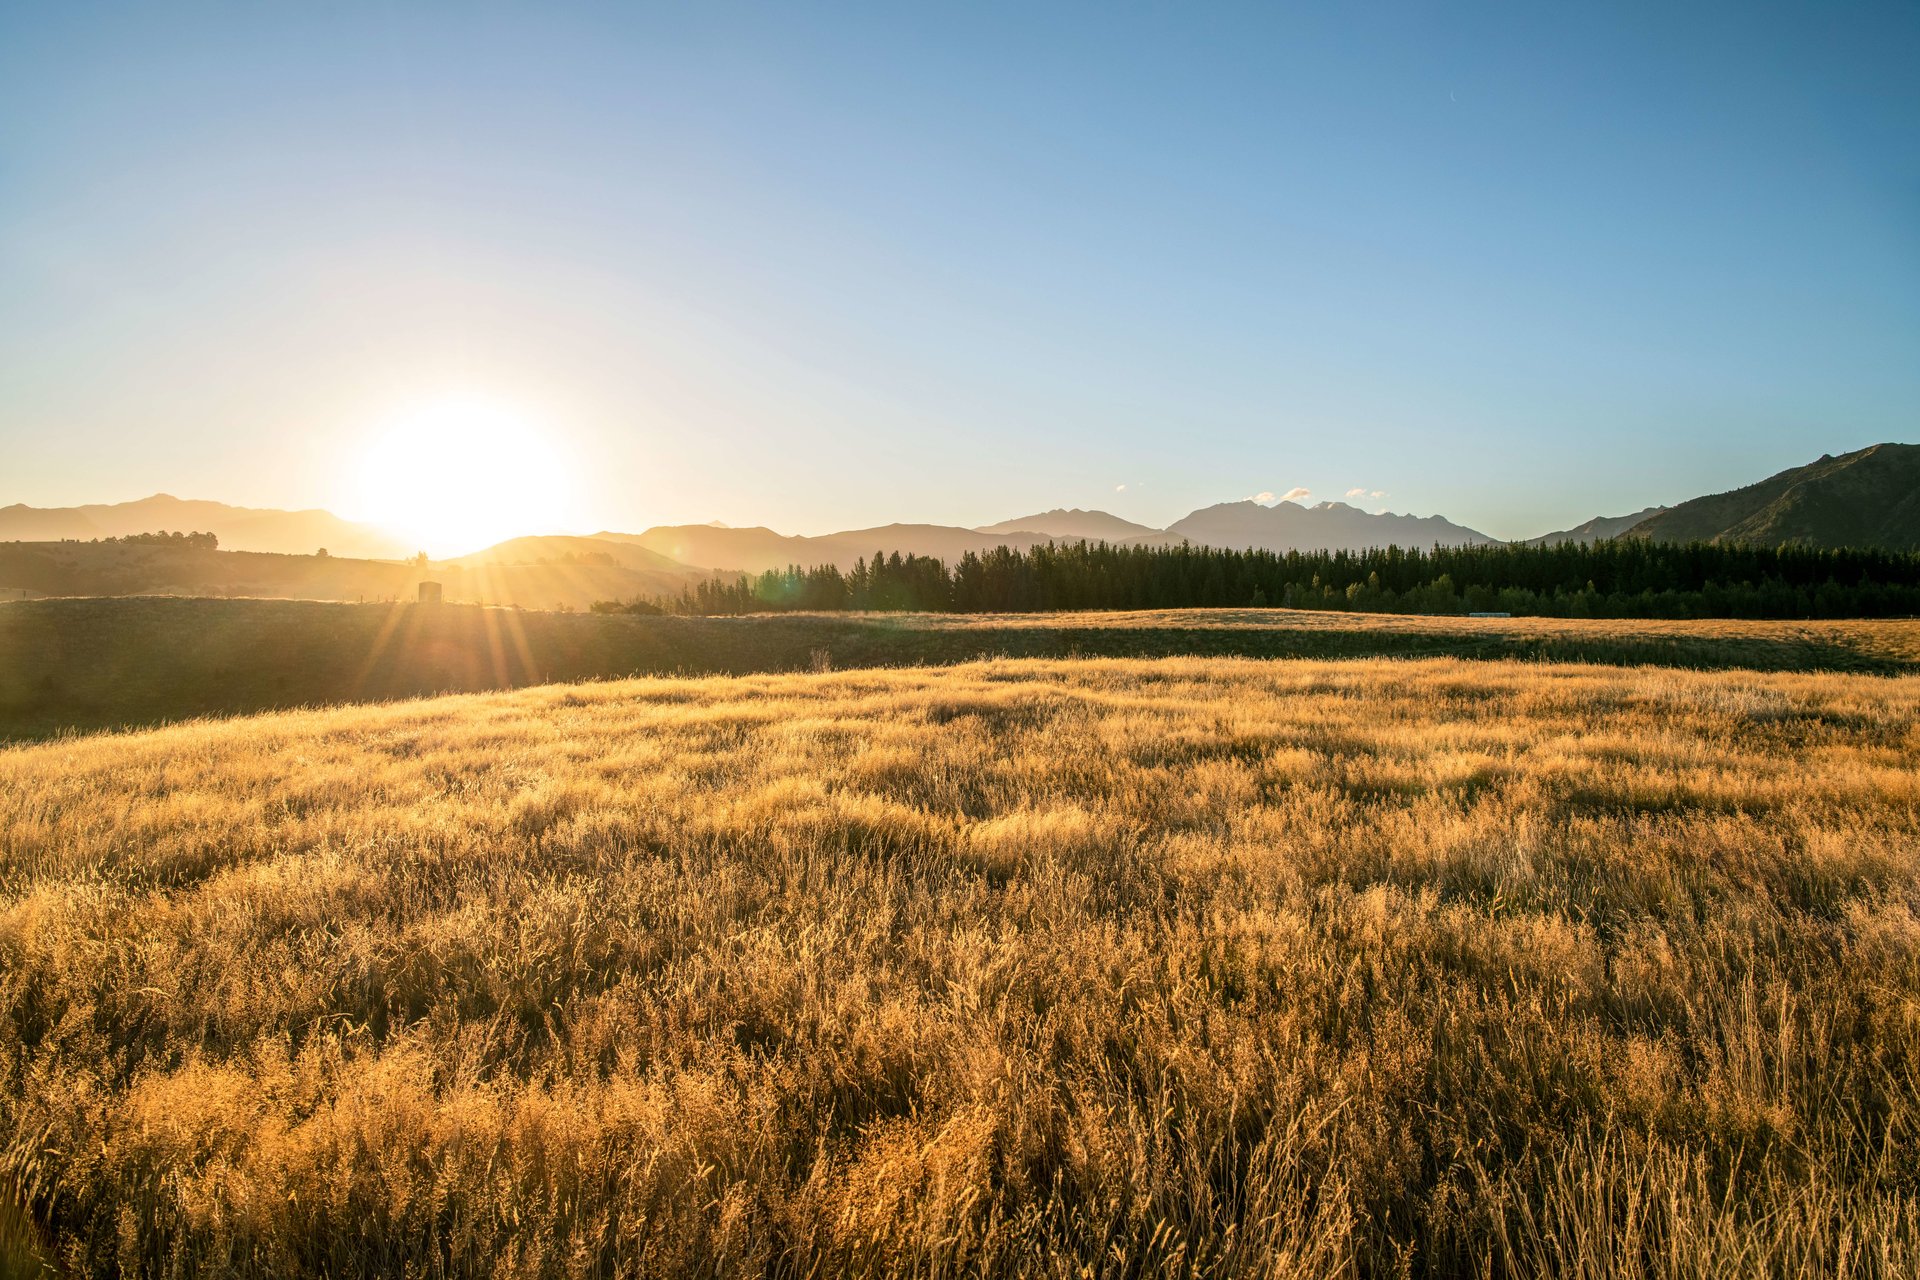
167	538
1623	578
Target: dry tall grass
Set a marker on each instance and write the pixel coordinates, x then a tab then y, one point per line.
87	664
1055	968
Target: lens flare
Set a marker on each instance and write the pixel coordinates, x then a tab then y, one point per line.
461	473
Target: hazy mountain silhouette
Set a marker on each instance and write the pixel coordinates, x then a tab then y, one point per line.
1597	529
568	549
1869	498
756	549
1072	522
1327	526
238	528
536	573
1331	525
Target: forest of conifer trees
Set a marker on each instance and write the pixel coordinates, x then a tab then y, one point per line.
1623	578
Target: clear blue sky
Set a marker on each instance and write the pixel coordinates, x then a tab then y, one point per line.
822	266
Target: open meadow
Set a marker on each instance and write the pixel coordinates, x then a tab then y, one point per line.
83	664
959	642
1187	966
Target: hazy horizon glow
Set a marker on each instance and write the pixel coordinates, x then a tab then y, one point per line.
458	473
836	267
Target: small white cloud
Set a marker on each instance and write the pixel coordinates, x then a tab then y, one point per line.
1378	493
1266	496
1296	494
1119	488
1361	491
1356	493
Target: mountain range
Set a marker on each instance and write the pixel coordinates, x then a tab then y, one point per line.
1868	498
238	528
1072	522
1595	530
566	549
571	575
1326	526
757	549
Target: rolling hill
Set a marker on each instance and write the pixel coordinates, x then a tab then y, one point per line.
30	569
87	664
1868	498
1065	522
1287	526
757	549
238	528
562	549
1597	529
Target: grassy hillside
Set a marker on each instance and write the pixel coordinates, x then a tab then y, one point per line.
93	664
569	550
1869	498
756	549
1023	968
1596	529
240	528
542	574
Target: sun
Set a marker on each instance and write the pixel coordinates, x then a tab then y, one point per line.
459	474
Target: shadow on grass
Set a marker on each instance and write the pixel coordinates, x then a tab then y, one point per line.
24	1254
1757	653
89	664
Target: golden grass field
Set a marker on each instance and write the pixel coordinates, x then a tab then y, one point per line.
1102	967
90	664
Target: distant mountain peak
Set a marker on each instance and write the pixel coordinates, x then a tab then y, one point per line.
1867	498
1325	526
1072	522
238	528
1598	529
